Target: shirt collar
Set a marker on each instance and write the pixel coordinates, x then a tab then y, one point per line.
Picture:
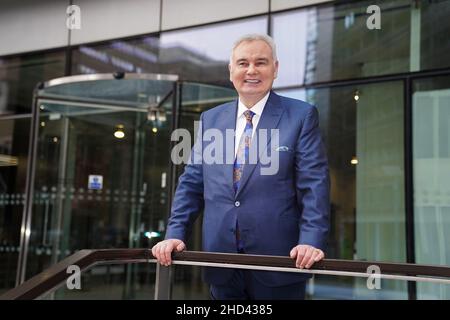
257	108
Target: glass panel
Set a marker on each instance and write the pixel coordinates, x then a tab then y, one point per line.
136	55
14	137
131	91
333	42
291	50
364	139
199	54
326	287
187	280
195	54
101	177
19	76
195	100
431	156
432	19
102	172
108	282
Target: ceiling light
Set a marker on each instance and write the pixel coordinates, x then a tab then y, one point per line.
119	133
7	160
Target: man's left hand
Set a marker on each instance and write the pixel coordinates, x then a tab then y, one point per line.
306	255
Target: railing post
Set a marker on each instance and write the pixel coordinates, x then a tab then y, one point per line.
163	283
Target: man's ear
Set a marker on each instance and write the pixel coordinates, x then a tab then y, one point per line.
229	69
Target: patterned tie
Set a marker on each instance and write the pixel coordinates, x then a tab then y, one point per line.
242	157
243	151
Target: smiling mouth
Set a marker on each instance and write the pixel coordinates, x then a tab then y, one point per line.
252	81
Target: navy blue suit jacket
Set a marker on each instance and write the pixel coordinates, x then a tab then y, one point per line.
276	212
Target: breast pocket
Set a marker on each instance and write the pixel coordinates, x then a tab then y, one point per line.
281	162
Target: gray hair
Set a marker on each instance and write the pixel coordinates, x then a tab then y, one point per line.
256	36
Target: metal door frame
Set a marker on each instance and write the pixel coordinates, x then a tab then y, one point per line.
38	96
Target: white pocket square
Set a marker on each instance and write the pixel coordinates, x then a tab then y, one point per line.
282	148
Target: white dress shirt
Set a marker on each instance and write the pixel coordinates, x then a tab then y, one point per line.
240	119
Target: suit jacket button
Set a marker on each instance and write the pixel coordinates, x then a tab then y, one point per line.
237	204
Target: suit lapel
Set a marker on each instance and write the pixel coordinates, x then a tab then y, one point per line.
269	120
228	121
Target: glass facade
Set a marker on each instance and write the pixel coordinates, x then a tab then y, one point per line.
433	27
109	282
332	42
138	56
202	54
194	54
195	100
102	168
18	78
14	136
102	176
362	127
431	163
357	77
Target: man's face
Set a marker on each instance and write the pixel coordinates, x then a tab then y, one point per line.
252	69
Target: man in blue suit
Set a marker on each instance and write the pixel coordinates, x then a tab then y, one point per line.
247	210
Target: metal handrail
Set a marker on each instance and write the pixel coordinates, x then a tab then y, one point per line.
52	277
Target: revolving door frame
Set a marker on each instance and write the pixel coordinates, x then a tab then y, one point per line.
39	96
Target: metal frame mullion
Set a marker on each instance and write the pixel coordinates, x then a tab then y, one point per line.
409	185
25	229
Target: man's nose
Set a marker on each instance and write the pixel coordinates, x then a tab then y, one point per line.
251	69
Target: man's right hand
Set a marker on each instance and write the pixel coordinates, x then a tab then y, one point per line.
162	251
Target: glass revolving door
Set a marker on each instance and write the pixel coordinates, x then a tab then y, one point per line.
100	174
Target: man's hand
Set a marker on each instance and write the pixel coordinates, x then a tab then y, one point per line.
162	251
306	255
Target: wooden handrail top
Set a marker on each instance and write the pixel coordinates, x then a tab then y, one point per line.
84	259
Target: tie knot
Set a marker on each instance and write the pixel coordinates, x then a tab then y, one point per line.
248	115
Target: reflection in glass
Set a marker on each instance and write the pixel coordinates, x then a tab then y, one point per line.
367	195
332	42
19	76
14	137
195	100
136	55
93	190
432	19
431	156
202	53
107	282
292	46
138	93
336	288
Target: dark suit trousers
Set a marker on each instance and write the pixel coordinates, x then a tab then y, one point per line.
244	286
